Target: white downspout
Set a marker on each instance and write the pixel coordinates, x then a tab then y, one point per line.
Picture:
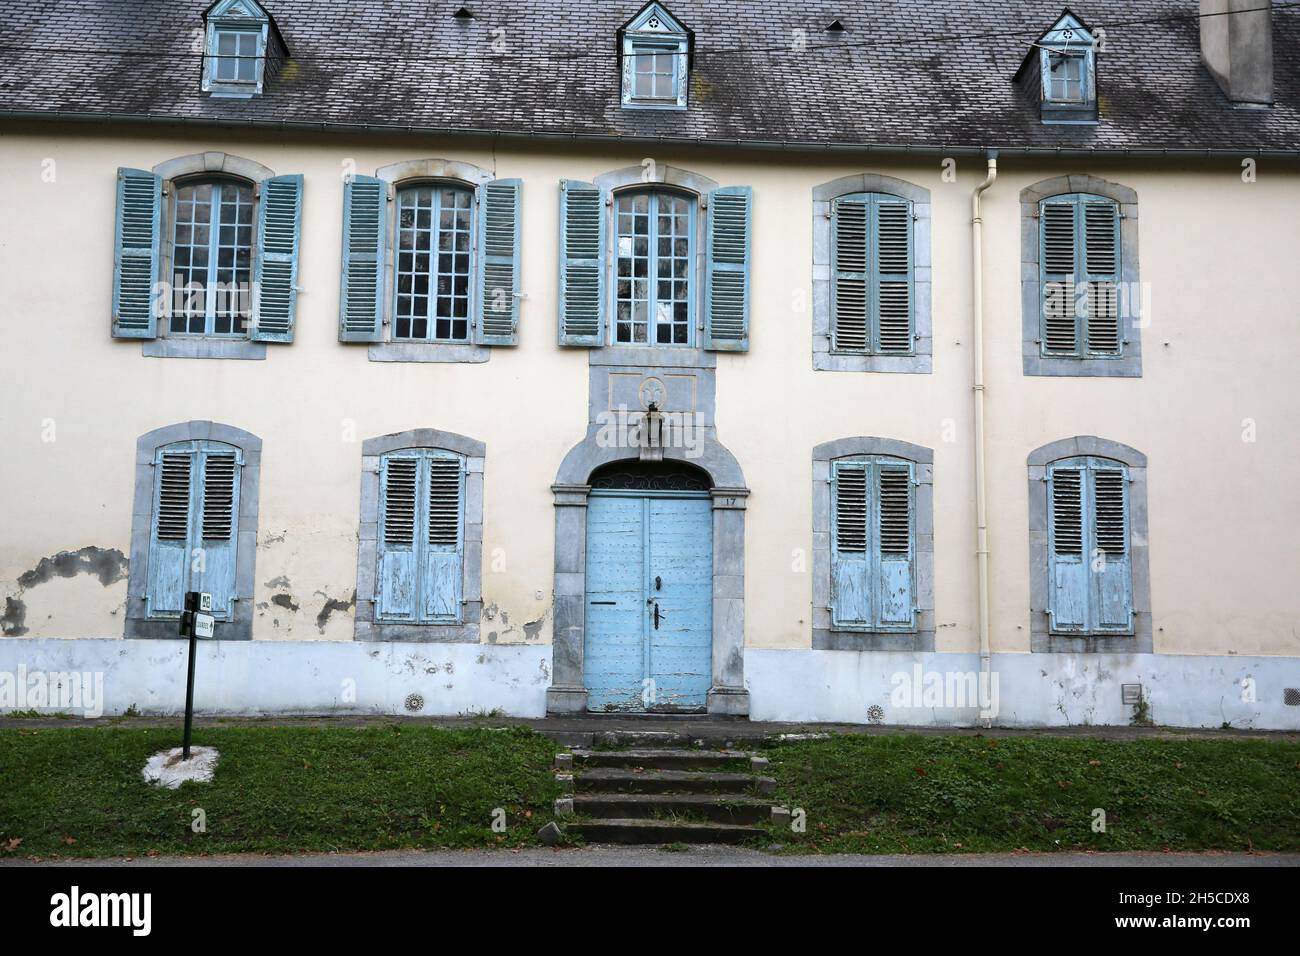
981	497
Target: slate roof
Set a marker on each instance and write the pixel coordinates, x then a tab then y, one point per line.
922	74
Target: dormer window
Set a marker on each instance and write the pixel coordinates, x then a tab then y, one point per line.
1060	71
243	48
655	50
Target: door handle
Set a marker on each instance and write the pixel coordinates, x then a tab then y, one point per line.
656	615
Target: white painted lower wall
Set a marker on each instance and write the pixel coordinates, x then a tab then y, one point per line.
1031	690
298	677
338	677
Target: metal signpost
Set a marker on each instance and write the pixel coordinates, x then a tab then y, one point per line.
196	621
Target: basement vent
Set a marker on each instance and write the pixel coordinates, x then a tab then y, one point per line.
414	702
1291	696
1131	693
876	714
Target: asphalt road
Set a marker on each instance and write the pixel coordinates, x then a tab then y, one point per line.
694	856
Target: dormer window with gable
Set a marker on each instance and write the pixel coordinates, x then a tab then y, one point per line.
655	52
243	48
1061	72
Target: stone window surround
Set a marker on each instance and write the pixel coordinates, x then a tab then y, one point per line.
1041	640
1129	364
240	627
217	165
921	361
727	694
413	172
366	628
629	179
826	636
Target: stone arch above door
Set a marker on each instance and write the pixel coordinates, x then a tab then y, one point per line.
727	695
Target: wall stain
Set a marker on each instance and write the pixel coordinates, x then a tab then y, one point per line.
280	582
332	605
14	619
109	565
285	601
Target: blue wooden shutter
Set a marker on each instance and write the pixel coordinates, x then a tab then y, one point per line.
169	539
582	264
726	286
1099	268
1058	269
136	245
217	526
498	263
1067	562
851	590
1111	598
399	495
279	234
891	274
443	565
365	231
893	547
850	321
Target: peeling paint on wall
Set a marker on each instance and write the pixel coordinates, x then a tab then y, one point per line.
285	601
108	565
331	605
14	619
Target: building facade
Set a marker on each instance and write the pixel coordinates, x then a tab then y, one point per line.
808	365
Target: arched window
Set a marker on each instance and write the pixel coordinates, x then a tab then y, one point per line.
655	245
435	239
212	257
194	527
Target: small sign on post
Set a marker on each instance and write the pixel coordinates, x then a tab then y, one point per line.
196	621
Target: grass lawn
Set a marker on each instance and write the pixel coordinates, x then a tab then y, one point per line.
73	791
79	792
922	794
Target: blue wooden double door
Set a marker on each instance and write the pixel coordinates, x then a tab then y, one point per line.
649	621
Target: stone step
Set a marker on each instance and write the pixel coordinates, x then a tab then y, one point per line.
664	759
621	830
624	780
673	806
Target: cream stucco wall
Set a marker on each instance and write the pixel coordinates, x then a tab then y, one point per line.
1217	253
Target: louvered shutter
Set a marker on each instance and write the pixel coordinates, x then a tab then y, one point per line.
442	571
894	547
850	300
1100	270
136	252
726	288
851	546
498	272
1112	578
1067	562
365	232
279	234
218	525
892	275
1057	274
399	495
872	300
169	546
582	264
